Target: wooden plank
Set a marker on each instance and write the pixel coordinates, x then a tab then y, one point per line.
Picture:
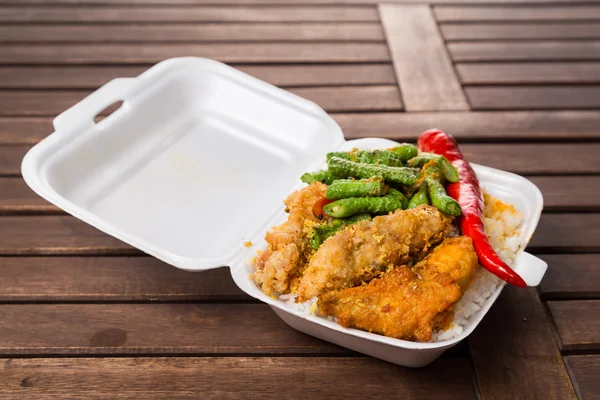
466	126
65	235
151	328
353	98
514	352
571	275
56	235
577	323
186	32
232	378
110	279
506	31
529	73
336	98
561	193
10	159
562	233
575	159
92	77
533	97
125	13
422	65
586	369
227	52
566	50
17	197
507	13
471	126
569	193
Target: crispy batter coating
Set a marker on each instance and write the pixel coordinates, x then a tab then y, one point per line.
404	303
288	243
362	251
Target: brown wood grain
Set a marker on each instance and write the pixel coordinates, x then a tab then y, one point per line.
335	98
507	13
504	31
529	73
110	279
187	14
533	97
150	328
193	32
10	159
92	77
21	131
514	352
233	378
577	323
566	50
571	275
530	125
17	197
567	232
422	65
56	235
143	53
569	193
586	369
353	98
561	193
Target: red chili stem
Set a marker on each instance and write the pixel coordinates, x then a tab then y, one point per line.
468	194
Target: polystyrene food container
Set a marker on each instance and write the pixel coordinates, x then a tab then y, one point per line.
197	161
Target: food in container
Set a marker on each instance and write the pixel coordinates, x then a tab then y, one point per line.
193	166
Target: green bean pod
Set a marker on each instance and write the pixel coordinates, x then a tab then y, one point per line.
406	151
440	199
343	188
383	157
323	176
345	168
359	205
450	172
420	197
322	232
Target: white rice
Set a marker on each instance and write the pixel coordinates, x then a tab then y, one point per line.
502	223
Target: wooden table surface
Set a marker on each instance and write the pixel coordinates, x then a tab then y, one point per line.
83	315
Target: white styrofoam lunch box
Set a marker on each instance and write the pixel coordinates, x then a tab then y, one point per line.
198	160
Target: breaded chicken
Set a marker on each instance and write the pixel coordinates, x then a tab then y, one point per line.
404	303
364	250
288	242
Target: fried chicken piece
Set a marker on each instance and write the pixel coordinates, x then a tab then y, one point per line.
288	243
363	250
404	303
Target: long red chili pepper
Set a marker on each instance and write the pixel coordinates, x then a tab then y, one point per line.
468	194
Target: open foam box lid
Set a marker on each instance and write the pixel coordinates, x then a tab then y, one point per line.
194	163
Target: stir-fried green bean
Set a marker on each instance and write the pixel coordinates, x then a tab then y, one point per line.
406	151
343	188
345	168
420	197
322	232
450	172
323	176
437	193
372	205
383	157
